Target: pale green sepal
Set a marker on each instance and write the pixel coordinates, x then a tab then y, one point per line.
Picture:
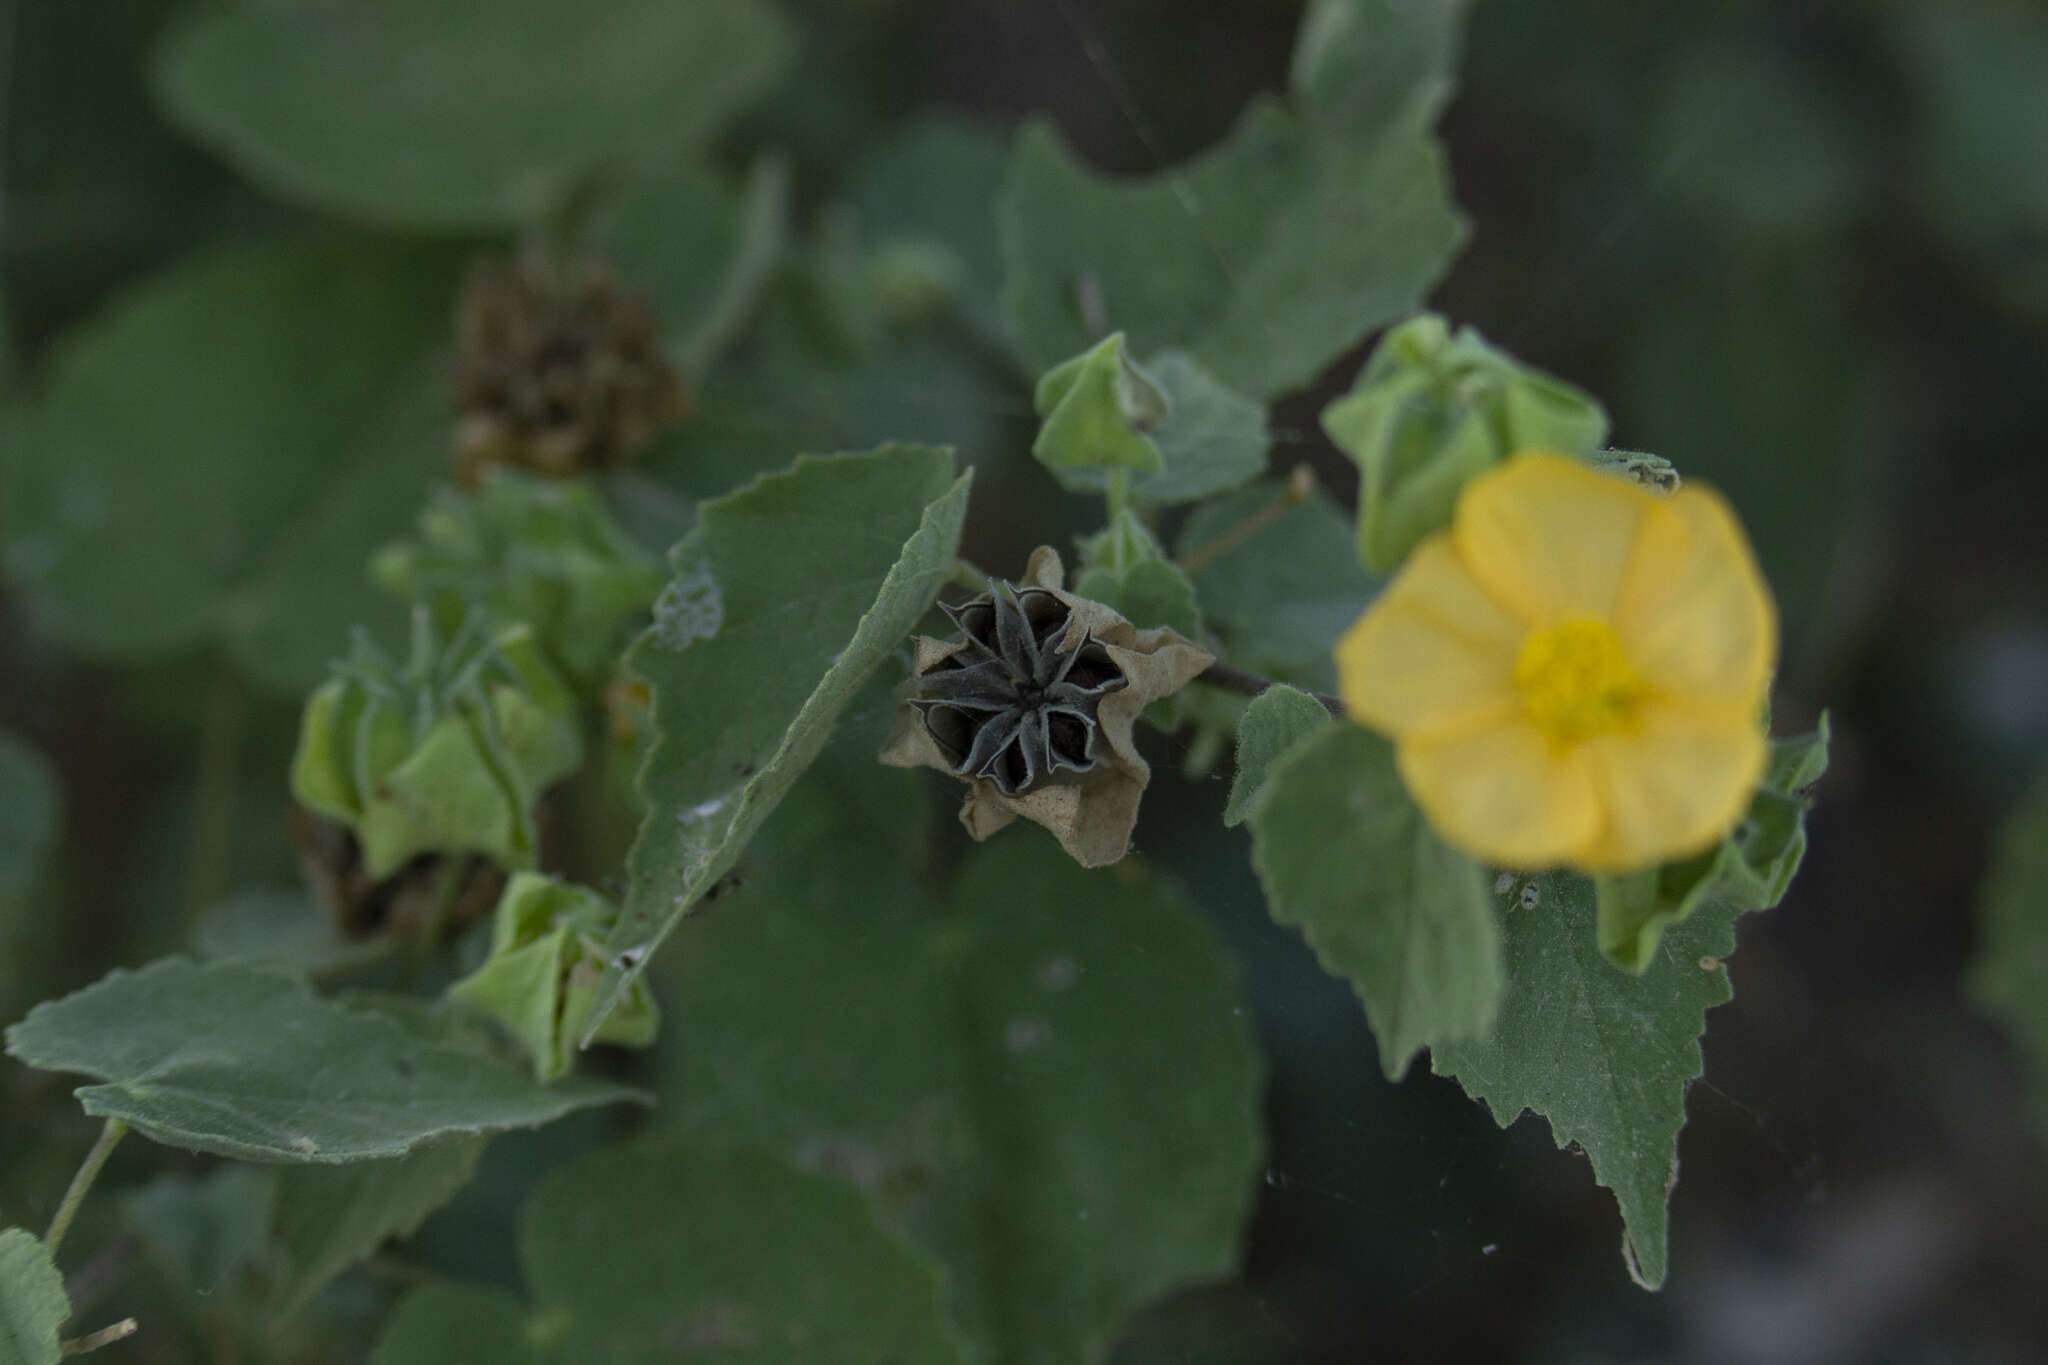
543	552
1431	410
1751	868
443	796
323	762
544	970
1098	409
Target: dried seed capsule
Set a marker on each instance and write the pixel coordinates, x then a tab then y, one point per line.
559	370
1032	704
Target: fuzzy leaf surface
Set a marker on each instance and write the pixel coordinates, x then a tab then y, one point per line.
1047	1084
449	115
1270	253
330	1217
785	597
1278	597
1605	1056
236	1061
32	1303
1346	857
1276	720
655	1253
216	454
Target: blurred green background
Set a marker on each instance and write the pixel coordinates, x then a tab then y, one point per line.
1799	249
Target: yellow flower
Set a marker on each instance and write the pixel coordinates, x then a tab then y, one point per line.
1573	672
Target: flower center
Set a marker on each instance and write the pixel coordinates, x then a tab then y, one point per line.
1576	683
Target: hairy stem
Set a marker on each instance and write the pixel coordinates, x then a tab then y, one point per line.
88	1171
1300	485
1251	684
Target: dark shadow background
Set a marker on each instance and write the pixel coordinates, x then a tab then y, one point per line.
1801	250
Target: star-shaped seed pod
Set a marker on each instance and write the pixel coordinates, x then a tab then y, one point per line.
1032	704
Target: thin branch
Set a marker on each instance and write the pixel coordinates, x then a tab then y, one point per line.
106	1336
1301	484
88	1171
1251	684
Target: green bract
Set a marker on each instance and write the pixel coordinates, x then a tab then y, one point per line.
534	550
447	754
1099	410
1750	868
1432	409
547	956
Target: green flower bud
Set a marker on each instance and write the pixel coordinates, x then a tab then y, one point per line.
547	958
447	754
1098	409
914	281
1430	411
540	551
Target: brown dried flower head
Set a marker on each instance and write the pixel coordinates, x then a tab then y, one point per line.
560	370
1032	704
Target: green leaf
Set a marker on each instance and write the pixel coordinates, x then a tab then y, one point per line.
862	542
2010	973
1276	720
654	1253
702	255
1605	1056
214	456
233	1060
1151	592
1047	1082
280	929
451	1324
1274	251
1346	857
201	1231
934	184
1213	439
330	1217
1278	598
1750	869
32	1302
449	115
1097	411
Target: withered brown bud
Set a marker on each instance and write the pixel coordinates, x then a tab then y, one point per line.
423	891
1032	704
559	370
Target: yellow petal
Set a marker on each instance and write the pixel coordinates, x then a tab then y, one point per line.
1503	794
1549	537
1694	614
1434	654
1674	786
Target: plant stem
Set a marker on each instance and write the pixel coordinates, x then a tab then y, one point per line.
106	1336
1251	684
88	1171
1300	485
1119	494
